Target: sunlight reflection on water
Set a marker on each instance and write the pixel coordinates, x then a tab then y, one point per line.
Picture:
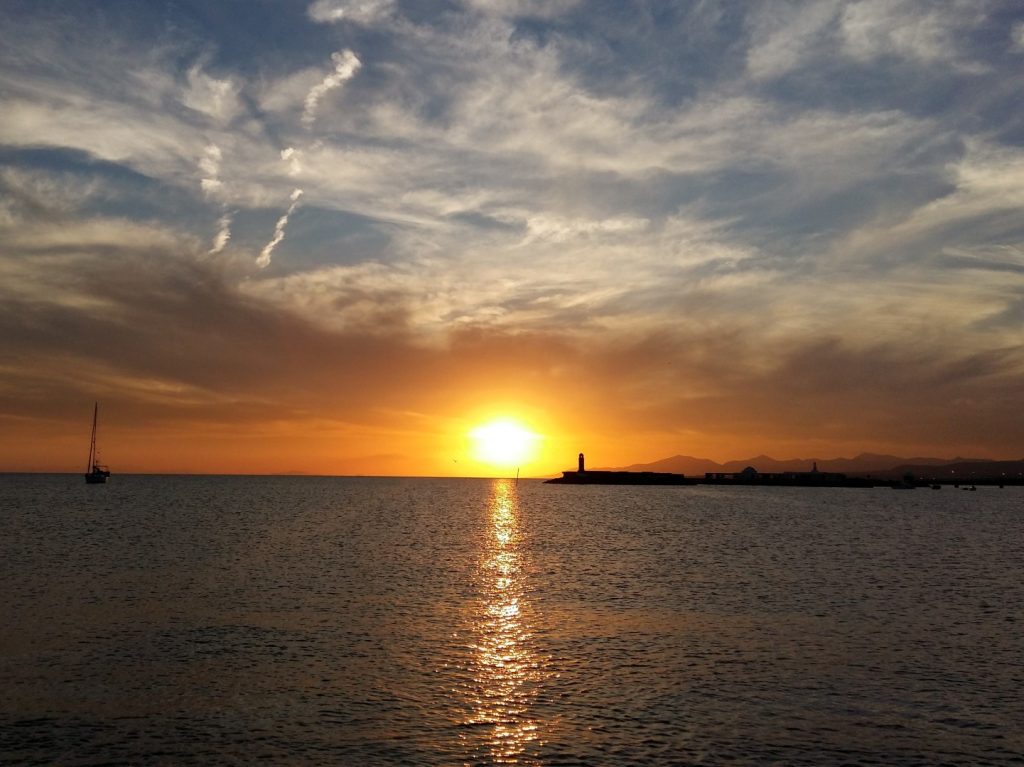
380	622
506	667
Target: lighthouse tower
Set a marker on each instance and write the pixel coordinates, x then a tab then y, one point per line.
582	469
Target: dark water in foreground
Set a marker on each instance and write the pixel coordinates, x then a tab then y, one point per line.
204	620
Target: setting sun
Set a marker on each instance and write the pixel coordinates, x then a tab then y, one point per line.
503	443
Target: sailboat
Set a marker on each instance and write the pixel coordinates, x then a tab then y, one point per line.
95	472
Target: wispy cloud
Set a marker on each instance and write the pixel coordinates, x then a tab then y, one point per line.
217	99
924	32
524	8
785	34
1017	36
360	11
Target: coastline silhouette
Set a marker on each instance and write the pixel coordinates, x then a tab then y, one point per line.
902	476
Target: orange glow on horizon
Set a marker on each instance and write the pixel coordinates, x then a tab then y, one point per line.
436	436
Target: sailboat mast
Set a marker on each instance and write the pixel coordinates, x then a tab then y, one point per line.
92	441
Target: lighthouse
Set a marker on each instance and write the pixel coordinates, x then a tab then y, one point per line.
581	464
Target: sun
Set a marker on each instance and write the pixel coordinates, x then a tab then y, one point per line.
503	443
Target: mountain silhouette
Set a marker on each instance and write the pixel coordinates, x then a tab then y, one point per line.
864	463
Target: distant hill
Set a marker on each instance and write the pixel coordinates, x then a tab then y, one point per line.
678	464
865	463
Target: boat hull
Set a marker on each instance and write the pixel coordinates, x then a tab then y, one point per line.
96	477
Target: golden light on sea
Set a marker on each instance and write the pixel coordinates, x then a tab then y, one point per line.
507	670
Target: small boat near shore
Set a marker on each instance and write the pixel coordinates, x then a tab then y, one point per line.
95	472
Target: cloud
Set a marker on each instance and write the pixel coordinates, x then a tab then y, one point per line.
784	34
544	9
736	383
345	66
1017	36
29	195
263	260
787	37
215	98
73	84
556	229
570	274
986	189
359	11
925	32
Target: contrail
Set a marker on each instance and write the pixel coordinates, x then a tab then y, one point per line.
345	65
291	156
223	234
209	164
264	258
211	185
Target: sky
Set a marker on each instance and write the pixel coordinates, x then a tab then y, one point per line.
334	237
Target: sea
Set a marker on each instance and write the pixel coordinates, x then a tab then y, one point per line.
199	620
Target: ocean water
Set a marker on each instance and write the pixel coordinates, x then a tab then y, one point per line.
342	621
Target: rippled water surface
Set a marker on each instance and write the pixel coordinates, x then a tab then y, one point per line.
230	620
